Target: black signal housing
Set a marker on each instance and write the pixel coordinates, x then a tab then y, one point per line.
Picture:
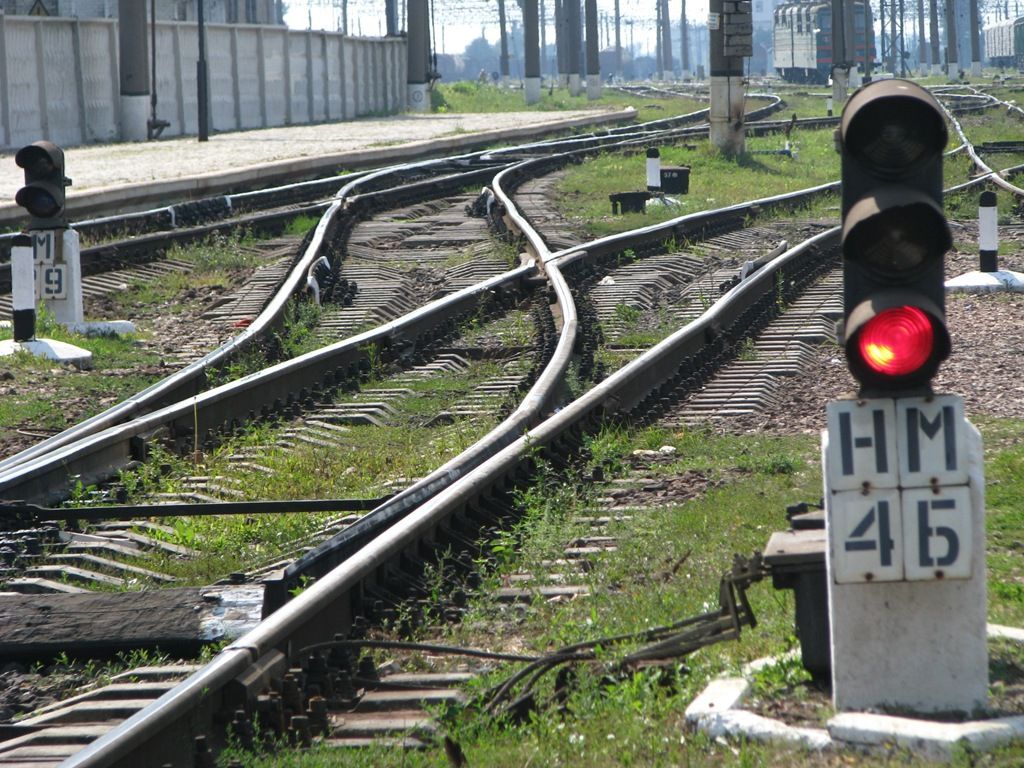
43	195
895	236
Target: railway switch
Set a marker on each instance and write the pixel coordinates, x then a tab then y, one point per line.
895	236
43	193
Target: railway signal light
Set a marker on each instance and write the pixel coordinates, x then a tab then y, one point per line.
43	193
895	235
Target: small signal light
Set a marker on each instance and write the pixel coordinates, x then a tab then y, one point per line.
43	195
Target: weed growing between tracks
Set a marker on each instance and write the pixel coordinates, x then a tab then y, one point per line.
717	494
270	462
39	398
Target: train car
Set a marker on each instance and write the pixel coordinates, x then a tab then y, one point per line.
1018	43
1004	44
999	46
802	40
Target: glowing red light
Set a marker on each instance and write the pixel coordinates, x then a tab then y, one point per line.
897	341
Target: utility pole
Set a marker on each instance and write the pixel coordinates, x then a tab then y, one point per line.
840	69
562	42
666	43
593	52
503	60
851	45
952	54
391	15
618	42
921	47
903	45
543	41
531	43
418	25
975	41
894	37
134	55
730	42
684	53
573	20
202	83
659	57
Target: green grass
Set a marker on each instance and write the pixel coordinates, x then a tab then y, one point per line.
667	567
365	462
991	125
1004	501
27	377
471	96
715	180
806	101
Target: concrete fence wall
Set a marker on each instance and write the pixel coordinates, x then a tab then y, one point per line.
59	78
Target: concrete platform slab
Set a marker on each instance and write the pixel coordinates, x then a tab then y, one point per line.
987	282
58	351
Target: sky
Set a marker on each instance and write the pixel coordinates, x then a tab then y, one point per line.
462	21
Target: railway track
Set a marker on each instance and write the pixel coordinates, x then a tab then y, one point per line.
380	589
382	557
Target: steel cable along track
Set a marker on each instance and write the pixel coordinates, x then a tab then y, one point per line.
394	556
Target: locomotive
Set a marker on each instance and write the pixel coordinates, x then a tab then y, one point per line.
1004	44
802	40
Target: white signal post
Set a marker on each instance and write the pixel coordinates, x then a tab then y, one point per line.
904	495
58	273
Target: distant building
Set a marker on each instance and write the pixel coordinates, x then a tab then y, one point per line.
217	11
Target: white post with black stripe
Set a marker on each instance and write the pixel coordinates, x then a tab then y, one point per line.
23	289
988	232
653	170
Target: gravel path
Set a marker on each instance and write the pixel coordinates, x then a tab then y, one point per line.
985	367
106	165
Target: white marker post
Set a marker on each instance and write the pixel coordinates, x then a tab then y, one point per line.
904	491
23	290
653	170
988	232
39	271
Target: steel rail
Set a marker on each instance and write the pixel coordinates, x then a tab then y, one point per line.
988	174
328	605
533	405
191	379
91	457
343	544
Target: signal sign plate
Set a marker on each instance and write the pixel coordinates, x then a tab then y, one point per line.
43	245
52	281
899	501
937	533
930	433
908	442
866	536
890	535
862	444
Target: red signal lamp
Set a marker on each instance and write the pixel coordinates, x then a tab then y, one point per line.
897	342
896	347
